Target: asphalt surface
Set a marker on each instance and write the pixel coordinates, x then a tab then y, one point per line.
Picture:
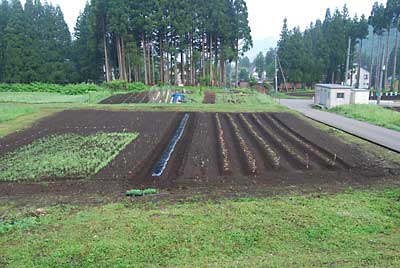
379	135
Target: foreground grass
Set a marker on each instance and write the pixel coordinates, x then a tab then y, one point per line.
10	111
67	155
359	229
371	114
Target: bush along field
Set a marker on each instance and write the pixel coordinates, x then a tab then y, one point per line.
63	156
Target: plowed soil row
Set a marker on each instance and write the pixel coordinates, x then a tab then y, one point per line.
209	97
261	151
142	97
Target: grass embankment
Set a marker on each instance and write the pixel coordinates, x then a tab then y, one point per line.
372	114
359	229
11	111
60	156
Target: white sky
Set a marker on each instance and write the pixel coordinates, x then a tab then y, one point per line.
266	16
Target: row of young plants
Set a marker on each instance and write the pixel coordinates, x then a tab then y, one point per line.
301	142
63	156
290	150
272	155
73	89
250	160
223	148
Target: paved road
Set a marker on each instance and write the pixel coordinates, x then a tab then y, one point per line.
379	135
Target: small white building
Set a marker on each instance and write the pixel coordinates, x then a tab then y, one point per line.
352	77
330	95
359	96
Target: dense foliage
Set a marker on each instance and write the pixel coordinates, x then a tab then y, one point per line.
319	53
69	89
35	43
154	42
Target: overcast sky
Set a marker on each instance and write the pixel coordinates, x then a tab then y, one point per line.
266	17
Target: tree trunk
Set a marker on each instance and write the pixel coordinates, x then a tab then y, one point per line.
146	81
149	64
203	56
216	62
222	74
123	58
378	62
237	64
371	63
211	61
106	62
359	64
119	55
152	63
161	60
396	48
387	58
182	68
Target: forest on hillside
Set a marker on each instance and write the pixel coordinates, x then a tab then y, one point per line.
152	41
319	54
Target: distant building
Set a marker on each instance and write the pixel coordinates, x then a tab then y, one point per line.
330	96
352	77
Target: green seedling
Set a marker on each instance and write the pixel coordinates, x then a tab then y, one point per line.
136	192
150	191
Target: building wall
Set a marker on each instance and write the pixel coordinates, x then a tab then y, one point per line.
364	81
360	97
329	98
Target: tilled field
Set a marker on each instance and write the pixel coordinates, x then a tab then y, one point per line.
209	97
217	152
127	98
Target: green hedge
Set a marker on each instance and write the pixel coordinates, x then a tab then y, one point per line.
122	85
70	89
73	89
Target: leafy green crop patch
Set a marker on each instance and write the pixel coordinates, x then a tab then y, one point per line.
63	156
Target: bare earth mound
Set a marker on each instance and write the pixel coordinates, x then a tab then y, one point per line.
217	153
209	97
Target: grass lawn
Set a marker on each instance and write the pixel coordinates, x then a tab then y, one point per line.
355	229
11	111
67	155
371	114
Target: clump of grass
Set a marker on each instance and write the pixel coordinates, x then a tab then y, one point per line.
371	113
68	155
11	111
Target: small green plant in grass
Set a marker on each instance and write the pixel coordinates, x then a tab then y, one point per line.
63	156
137	192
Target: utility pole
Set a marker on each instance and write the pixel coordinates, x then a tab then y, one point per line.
381	85
276	72
348	62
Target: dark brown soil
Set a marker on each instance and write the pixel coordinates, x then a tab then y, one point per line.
209	97
196	166
142	97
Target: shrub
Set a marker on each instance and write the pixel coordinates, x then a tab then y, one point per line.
253	81
70	89
123	85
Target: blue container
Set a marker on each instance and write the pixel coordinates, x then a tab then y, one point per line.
178	98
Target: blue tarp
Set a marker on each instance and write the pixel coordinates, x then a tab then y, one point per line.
178	98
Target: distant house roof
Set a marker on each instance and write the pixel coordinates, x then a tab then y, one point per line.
333	86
